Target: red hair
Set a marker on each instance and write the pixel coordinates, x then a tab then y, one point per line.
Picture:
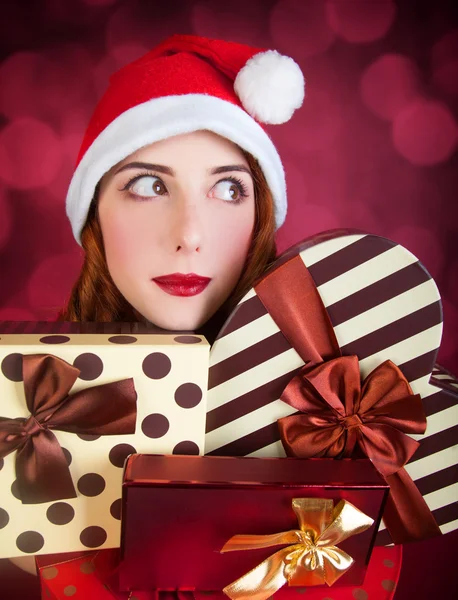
95	297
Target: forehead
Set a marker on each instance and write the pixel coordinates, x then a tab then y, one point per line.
198	146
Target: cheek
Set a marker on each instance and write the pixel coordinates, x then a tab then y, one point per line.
124	240
233	239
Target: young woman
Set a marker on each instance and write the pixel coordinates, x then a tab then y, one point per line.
178	189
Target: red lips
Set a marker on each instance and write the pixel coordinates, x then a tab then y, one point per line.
180	284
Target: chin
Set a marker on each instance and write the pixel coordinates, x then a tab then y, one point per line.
178	322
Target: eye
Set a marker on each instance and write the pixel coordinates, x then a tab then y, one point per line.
146	186
230	190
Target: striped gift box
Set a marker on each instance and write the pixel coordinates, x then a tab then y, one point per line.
383	304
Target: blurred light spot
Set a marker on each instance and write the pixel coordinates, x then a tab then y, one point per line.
235	21
124	54
51	282
315	127
30	154
423	243
308	220
47	84
444	62
19	79
359	20
389	84
300	29
425	133
5	217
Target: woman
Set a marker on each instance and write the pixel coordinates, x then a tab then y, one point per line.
178	190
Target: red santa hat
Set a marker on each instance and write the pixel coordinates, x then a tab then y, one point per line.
189	83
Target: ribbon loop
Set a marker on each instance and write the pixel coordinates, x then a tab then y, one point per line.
313	561
41	467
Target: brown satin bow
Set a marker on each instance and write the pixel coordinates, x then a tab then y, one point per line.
41	467
340	416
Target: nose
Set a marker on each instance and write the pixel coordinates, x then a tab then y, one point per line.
187	230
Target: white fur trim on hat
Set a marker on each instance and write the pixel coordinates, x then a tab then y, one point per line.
271	87
162	118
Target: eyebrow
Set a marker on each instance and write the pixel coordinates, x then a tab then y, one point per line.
168	171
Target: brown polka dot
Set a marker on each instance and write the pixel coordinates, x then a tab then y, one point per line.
327	598
360	594
115	509
12	367
30	541
90	365
94	536
87	567
156	365
69	590
136	597
49	572
187	339
155	425
15	489
88	437
388	563
301	590
188	395
119	453
54	339
122	339
388	584
91	484
4	518
68	456
60	513
47	593
186	447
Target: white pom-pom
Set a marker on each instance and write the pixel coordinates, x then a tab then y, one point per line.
271	87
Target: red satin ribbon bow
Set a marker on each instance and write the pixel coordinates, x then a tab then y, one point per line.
339	416
41	467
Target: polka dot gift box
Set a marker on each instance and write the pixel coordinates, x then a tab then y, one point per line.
331	355
72	407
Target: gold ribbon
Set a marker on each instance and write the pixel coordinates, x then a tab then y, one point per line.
312	558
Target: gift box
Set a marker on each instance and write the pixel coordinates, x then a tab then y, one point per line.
180	513
335	296
73	407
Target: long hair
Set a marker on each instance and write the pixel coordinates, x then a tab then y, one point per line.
95	297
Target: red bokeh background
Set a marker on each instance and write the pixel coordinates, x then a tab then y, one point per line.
374	146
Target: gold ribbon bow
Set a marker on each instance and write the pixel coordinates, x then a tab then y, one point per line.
312	558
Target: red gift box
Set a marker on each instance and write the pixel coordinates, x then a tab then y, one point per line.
179	511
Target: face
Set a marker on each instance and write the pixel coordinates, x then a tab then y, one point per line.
177	220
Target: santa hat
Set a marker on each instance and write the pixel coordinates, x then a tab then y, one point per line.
185	84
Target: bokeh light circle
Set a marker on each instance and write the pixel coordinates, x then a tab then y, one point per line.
425	133
300	29
389	84
360	21
30	154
